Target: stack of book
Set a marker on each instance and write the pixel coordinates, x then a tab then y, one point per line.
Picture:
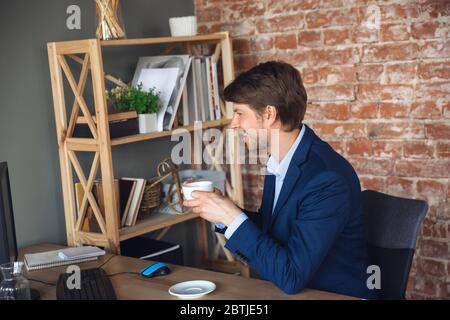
190	81
129	193
201	100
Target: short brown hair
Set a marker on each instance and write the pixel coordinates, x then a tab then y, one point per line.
273	83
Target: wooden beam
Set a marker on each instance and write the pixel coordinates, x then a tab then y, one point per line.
61	128
82	144
107	172
154	135
107	76
91	238
71	47
214	37
80	99
228	69
155	222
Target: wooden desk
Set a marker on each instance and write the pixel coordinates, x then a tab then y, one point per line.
130	286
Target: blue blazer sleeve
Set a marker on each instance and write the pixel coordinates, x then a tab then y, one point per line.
321	216
253	216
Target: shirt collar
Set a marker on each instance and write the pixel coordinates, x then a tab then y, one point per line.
279	169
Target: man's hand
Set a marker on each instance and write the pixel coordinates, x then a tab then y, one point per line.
213	206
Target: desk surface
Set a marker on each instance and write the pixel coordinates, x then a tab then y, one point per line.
131	286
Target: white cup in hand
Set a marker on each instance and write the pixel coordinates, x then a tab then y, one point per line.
196	185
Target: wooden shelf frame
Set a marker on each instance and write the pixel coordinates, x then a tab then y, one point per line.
88	53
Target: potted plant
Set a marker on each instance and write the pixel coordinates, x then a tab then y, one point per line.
145	103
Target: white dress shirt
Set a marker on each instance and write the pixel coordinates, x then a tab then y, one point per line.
279	169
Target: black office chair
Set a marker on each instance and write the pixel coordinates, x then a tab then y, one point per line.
391	228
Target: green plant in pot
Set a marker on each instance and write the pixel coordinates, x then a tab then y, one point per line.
145	103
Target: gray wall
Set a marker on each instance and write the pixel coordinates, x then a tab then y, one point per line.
27	126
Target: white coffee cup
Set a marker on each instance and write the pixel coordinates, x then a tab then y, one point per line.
196	185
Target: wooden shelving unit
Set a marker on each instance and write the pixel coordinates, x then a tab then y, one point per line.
88	53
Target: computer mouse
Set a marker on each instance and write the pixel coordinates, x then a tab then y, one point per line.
155	269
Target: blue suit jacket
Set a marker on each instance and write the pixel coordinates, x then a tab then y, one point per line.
314	237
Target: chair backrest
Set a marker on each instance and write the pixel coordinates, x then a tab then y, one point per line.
392	227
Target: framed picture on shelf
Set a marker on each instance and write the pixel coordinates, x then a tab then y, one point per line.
167	74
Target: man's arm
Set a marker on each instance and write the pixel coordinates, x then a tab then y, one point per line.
320	219
253	216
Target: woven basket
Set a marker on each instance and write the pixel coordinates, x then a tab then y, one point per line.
152	194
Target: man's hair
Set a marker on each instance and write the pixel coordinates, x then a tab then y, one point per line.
273	83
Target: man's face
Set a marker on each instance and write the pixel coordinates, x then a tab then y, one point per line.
248	122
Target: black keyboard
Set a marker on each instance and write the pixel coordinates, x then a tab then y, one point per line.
94	285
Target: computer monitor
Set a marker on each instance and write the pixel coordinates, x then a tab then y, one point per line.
8	243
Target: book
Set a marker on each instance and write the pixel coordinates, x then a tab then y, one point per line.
98	194
49	259
209	88
135	202
192	104
204	86
124	190
199	89
185	106
215	83
126	209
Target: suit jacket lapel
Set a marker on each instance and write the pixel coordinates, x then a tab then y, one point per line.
294	171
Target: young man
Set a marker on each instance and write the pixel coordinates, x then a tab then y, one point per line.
309	229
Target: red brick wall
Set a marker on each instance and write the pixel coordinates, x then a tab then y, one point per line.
379	96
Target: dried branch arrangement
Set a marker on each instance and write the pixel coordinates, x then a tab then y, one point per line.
109	26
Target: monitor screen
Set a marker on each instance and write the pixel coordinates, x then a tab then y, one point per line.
8	244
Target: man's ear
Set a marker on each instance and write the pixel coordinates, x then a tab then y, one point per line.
270	115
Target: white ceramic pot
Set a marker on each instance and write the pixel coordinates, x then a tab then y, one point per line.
148	122
183	26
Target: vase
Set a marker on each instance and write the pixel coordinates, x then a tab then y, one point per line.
14	285
148	122
110	23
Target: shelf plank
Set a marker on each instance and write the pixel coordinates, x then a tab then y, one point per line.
140	41
154	135
156	221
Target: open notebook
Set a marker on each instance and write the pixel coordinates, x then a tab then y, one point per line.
48	259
